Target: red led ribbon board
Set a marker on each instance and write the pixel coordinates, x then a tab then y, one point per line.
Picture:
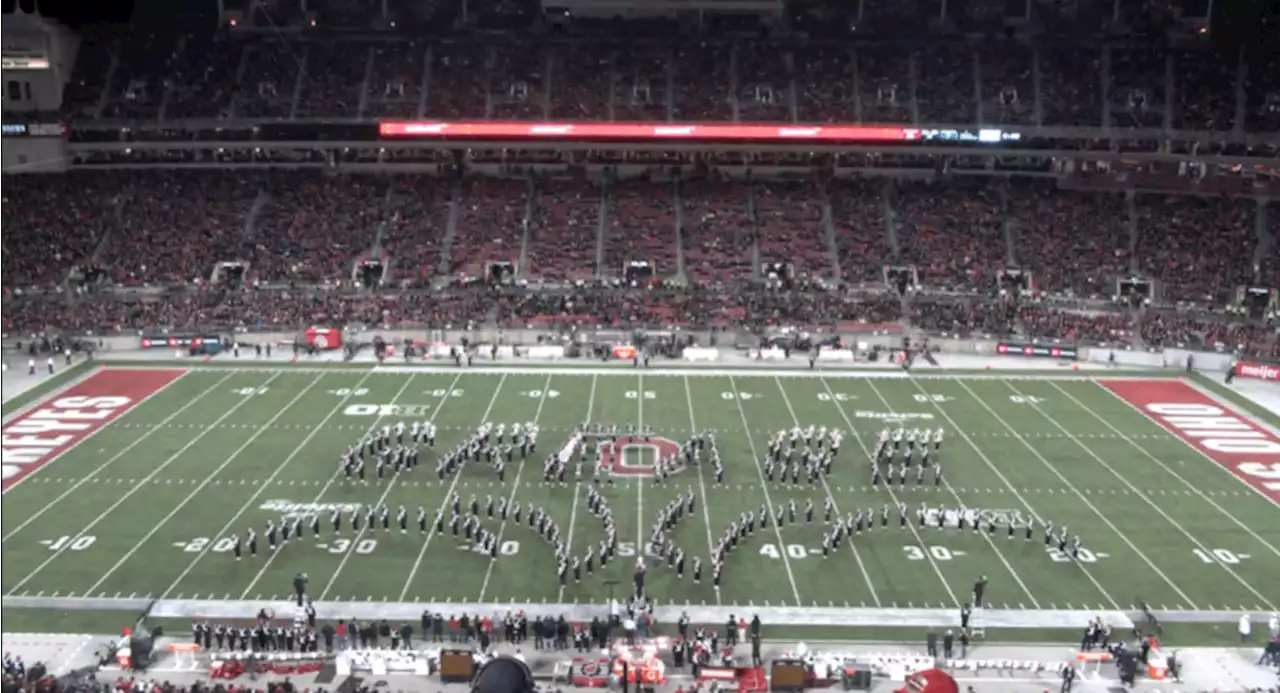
647	131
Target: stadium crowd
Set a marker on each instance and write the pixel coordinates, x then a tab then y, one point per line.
300	237
153	239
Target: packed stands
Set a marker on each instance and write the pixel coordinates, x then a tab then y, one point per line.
1193	264
313	228
394	89
825	84
951	233
458	89
491	224
518	82
333	85
702	81
413	234
641	83
1072	243
641	227
862	242
564	229
175	225
718	233
582	79
789	217
54	223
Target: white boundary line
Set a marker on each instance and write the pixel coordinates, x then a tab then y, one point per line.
316	429
207	480
764	487
1145	498
1016	494
141	484
444	502
702	484
1146	453
515	486
853	545
34	405
1067	483
92	475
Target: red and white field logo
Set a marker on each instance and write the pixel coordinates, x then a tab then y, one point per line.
1264	371
1249	451
37	437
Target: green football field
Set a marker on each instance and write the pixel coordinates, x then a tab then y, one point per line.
144	508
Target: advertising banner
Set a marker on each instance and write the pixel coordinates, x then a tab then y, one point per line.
1261	371
1037	351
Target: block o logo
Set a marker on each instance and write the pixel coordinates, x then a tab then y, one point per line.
614	457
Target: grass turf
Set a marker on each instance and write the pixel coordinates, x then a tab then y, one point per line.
220	444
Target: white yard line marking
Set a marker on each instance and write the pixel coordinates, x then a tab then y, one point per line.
515	486
640	538
1065	482
755	462
853	545
866	450
1146	499
141	484
444	503
296	451
577	486
702	485
1129	439
93	475
78	381
196	491
1016	494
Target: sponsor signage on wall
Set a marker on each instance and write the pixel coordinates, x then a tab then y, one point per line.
1037	351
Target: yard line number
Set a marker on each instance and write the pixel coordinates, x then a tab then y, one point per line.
627	549
1025	399
641	394
921	397
835	397
538	394
506	548
363	547
79	543
1222	556
794	551
443	392
936	553
737	395
1084	556
249	391
349	392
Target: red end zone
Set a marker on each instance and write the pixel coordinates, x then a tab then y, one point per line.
1247	450
39	436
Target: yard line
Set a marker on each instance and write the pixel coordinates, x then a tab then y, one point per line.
444	503
140	485
342	401
702	485
1016	494
57	502
755	462
1067	483
640	539
1155	459
866	450
515	486
1147	499
196	491
51	396
857	556
577	485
